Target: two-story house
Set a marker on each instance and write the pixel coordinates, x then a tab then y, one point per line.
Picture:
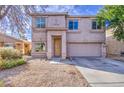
63	35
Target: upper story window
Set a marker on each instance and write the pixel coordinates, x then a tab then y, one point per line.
95	25
73	24
40	22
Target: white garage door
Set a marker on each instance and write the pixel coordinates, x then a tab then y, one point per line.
84	50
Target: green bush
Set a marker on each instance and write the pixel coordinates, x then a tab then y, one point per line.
2	83
1	61
20	62
6	64
10	57
10	53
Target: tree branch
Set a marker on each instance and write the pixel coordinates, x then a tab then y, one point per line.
5	12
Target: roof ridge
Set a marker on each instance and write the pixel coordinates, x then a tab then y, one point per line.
11	36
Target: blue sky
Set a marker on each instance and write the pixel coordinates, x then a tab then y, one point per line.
88	9
76	9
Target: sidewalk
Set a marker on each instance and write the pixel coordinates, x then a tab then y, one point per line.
102	79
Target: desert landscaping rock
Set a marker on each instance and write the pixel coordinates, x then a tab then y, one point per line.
43	74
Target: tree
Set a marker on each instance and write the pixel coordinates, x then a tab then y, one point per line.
16	19
113	16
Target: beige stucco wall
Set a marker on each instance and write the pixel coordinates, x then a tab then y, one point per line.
114	47
36	38
50	34
85	32
39	36
56	21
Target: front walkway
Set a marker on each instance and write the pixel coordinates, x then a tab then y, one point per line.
101	72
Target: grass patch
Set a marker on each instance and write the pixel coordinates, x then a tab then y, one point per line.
6	64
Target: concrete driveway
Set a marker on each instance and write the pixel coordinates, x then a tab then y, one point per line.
101	72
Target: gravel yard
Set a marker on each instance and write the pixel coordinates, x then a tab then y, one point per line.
37	73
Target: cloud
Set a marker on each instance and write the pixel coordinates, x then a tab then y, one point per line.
74	9
59	8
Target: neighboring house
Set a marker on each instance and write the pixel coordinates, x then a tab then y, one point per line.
114	47
8	41
62	35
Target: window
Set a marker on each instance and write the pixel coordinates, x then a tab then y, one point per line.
40	22
95	25
9	45
39	47
73	25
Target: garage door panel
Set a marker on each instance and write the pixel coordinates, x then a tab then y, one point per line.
84	50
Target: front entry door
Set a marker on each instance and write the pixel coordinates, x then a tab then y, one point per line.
57	46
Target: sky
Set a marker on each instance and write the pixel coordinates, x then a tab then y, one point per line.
88	10
76	9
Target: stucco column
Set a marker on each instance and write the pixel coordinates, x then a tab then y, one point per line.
49	46
103	50
64	45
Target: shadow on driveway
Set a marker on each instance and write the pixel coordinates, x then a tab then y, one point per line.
103	64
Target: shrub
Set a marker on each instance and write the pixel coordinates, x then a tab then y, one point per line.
2	83
10	53
1	61
6	64
20	62
10	57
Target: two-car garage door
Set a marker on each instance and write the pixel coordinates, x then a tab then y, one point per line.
84	49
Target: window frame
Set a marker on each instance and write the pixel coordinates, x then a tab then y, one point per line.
40	23
9	45
41	50
97	26
74	21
